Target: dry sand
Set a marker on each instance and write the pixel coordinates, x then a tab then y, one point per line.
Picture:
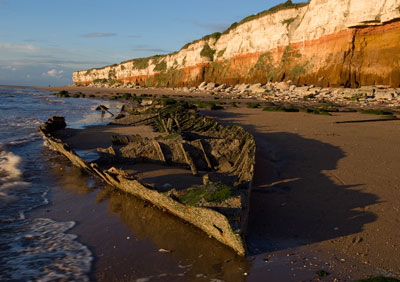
326	185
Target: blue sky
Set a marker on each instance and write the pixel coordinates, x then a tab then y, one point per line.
43	41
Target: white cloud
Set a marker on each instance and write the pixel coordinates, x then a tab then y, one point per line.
99	34
12	68
54	73
13	47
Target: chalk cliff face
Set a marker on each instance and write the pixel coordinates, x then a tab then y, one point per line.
325	42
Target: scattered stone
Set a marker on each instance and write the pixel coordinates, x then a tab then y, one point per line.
357	240
185	266
167	186
322	273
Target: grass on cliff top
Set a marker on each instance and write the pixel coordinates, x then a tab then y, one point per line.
283	6
143	63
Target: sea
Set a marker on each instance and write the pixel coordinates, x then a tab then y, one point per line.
37	249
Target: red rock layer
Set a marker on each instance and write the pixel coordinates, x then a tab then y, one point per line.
353	57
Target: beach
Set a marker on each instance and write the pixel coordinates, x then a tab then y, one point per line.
325	197
336	185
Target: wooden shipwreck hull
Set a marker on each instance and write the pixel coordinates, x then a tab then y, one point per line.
225	156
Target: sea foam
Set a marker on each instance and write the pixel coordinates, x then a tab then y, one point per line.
10	177
40	250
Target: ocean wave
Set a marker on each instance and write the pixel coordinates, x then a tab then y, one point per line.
33	249
10	177
24	140
55	101
22	122
10	173
40	250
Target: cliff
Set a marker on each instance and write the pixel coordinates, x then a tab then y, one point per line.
324	42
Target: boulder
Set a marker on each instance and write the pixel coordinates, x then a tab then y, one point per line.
257	88
384	95
202	85
282	86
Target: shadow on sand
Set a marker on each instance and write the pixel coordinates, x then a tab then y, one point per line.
297	198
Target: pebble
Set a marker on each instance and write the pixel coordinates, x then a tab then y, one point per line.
287	91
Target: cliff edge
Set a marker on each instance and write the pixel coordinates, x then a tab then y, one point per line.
328	43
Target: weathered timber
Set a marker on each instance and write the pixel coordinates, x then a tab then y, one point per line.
220	206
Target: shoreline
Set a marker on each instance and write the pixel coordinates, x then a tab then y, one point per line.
256	120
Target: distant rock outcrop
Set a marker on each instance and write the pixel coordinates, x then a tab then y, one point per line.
325	43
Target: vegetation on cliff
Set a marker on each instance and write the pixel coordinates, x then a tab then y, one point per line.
283	6
207	52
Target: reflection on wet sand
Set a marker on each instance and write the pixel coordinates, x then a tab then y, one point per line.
186	243
200	258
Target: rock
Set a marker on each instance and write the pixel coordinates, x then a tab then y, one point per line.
242	87
202	85
146	102
370	90
257	88
283	86
223	86
384	95
54	123
211	86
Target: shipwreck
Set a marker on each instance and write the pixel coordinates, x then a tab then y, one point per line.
172	134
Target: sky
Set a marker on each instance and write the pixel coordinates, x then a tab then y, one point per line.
43	41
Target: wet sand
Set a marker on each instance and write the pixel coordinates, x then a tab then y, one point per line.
326	197
130	238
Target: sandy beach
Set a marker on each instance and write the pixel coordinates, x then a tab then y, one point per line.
333	186
326	196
